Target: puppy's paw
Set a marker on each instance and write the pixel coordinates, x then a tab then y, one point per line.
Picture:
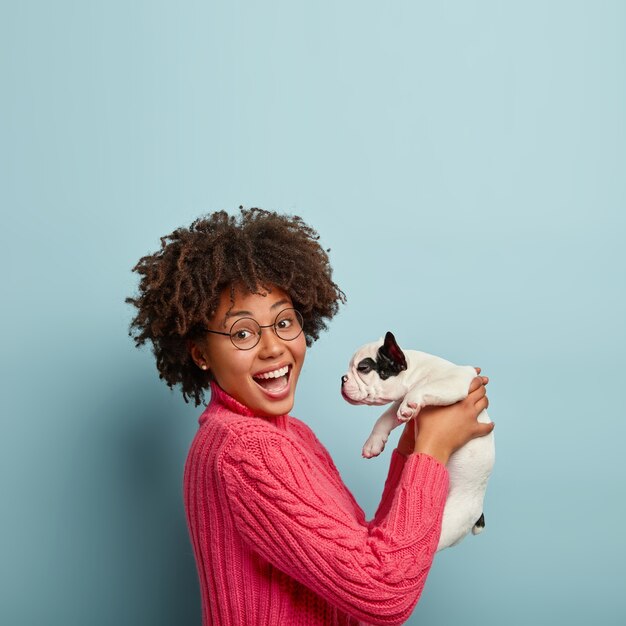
373	446
408	410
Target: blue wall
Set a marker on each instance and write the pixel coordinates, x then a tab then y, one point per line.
465	162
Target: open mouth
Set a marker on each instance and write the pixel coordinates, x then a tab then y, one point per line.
275	381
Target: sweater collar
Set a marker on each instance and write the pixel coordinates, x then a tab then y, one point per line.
220	398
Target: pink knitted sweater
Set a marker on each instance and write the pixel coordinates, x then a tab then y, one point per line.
280	540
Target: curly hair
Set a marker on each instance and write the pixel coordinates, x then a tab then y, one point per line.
181	283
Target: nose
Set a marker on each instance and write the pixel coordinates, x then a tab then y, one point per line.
344	380
270	343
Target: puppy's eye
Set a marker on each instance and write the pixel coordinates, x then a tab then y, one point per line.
365	366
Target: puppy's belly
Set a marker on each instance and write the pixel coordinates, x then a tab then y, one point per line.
469	469
471	465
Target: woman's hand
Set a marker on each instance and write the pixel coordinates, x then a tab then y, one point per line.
443	429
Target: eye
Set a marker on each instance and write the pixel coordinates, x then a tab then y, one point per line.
288	324
365	366
244	332
284	323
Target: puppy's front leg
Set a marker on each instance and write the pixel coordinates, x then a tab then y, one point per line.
440	392
411	405
380	433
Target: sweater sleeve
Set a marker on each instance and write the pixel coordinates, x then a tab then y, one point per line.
396	466
290	511
318	447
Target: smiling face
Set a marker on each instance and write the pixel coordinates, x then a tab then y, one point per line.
263	378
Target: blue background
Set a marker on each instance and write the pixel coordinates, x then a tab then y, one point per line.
465	162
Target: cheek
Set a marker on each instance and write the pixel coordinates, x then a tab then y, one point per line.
365	381
226	362
299	349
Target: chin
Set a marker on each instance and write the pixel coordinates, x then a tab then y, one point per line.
271	408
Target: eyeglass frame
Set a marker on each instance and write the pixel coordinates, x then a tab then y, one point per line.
261	327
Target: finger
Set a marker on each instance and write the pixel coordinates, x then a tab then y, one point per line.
478	370
478	391
481	404
484	429
475	384
485	380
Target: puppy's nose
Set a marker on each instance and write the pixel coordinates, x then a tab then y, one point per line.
344	380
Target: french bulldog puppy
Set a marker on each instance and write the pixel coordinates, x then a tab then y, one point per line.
380	373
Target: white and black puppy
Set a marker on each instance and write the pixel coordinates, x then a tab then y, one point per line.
380	373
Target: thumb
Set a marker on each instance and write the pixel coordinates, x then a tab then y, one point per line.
485	429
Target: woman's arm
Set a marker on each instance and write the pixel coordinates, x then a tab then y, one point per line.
292	512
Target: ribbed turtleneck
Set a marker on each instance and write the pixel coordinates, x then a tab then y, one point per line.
221	399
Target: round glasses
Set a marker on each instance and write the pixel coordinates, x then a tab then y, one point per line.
245	333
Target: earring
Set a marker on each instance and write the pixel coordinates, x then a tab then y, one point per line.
204	366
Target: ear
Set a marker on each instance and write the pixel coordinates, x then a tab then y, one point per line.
392	351
198	356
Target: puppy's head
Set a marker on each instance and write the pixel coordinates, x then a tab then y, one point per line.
374	374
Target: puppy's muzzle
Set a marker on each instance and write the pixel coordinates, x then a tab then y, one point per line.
344	380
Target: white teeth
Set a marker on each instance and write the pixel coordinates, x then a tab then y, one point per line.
275	374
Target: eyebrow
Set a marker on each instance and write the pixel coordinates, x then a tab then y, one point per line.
249	313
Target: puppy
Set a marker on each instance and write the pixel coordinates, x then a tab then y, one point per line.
381	373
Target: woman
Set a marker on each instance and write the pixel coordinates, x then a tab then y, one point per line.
231	305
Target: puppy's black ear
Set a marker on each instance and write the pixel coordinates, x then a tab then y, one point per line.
390	357
391	349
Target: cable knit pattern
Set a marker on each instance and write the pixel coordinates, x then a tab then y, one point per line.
278	537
